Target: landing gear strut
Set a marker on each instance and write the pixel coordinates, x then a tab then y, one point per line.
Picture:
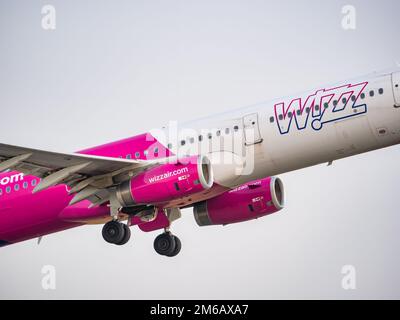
116	232
166	244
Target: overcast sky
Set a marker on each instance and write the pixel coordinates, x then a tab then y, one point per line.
113	69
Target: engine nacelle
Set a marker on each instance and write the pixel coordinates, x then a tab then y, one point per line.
167	182
248	201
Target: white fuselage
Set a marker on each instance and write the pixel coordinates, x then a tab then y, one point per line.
286	134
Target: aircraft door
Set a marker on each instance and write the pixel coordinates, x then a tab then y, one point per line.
396	87
251	129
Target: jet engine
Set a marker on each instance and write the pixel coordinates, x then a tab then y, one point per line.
168	181
248	201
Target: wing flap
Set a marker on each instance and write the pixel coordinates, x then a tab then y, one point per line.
81	172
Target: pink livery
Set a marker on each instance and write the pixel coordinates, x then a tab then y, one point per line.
222	166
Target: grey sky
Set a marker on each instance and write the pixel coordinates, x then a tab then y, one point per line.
115	69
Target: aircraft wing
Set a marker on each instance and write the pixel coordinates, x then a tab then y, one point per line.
88	176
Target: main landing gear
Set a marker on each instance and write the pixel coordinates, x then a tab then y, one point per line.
116	233
166	244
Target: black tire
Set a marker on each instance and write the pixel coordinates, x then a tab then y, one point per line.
164	244
177	249
127	235
113	232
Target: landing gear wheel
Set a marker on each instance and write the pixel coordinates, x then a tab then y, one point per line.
165	244
177	249
113	232
127	235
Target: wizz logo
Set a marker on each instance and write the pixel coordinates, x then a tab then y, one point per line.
326	105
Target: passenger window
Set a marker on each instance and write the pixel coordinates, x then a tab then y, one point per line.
209	136
16	187
33	182
371	93
1	192
191	140
8	189
308	110
218	133
236	128
169	146
290	114
344	100
137	154
156	150
200	138
227	131
362	95
335	103
280	117
326	105
353	98
25	185
380	91
183	142
271	119
316	107
128	156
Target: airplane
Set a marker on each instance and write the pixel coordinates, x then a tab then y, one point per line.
225	166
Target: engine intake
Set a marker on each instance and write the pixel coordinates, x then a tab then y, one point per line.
248	201
167	182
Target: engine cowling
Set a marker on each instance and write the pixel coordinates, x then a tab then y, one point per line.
167	182
248	201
